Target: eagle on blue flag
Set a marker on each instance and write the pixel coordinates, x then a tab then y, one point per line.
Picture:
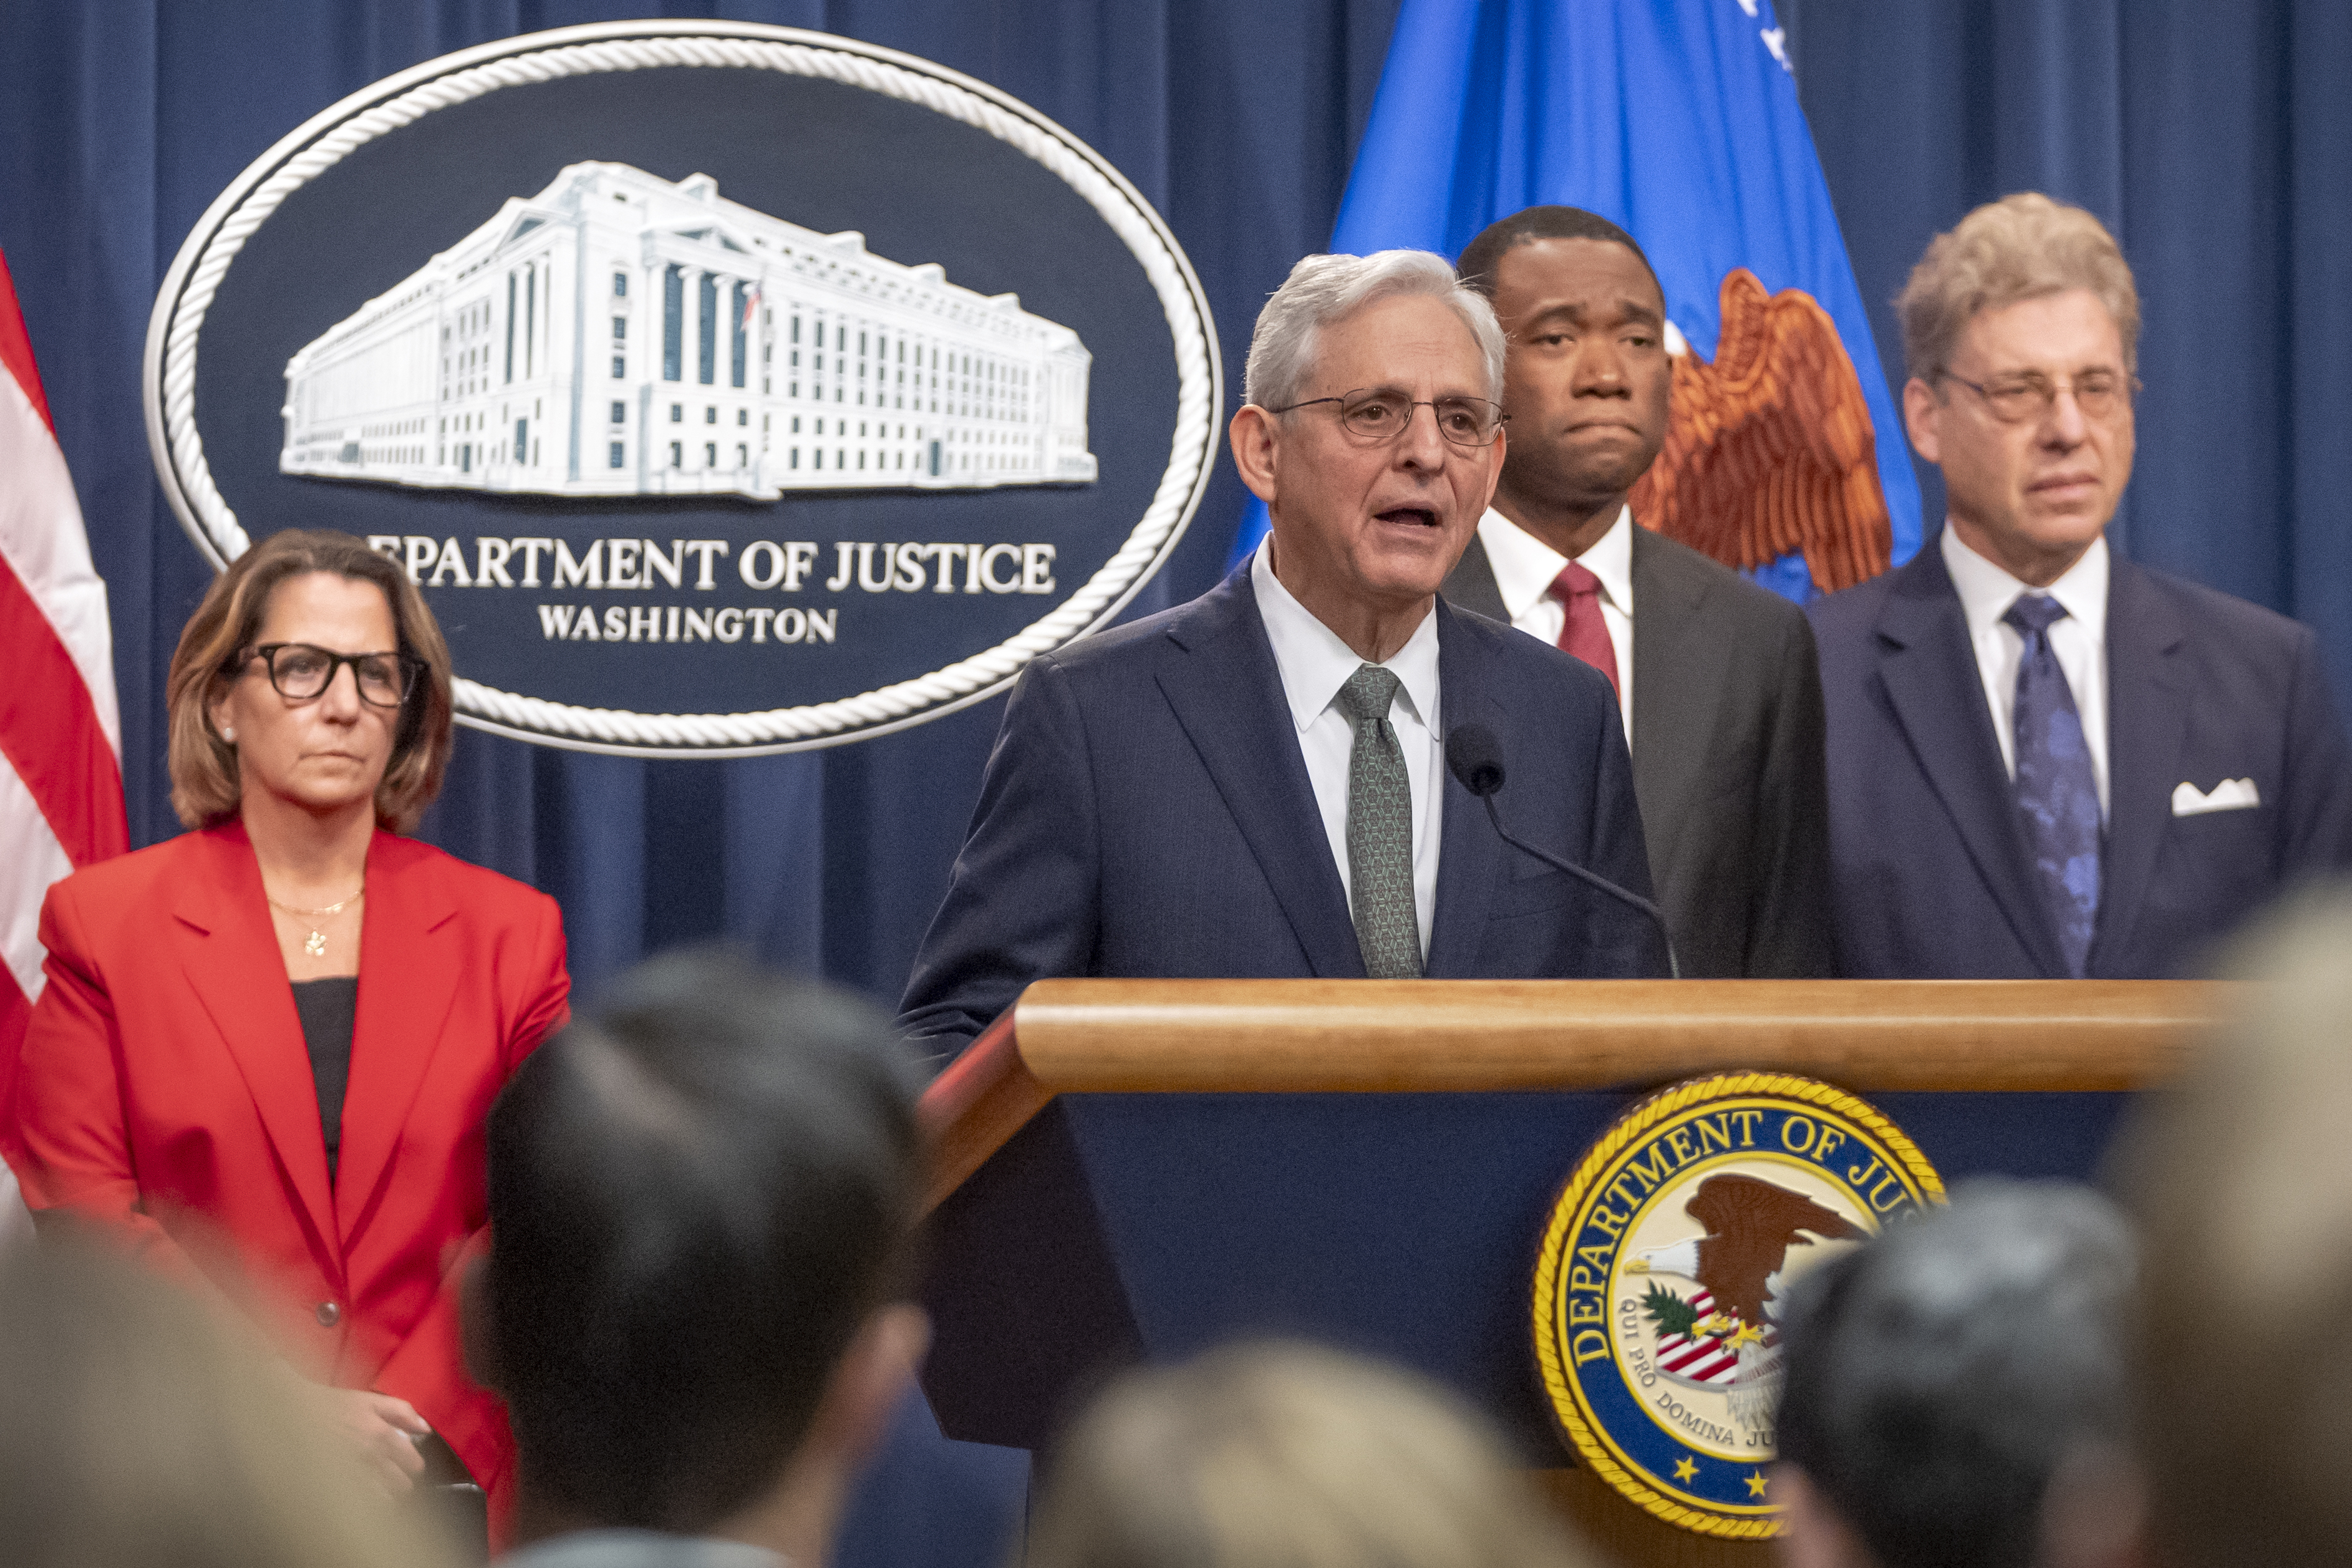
1678	120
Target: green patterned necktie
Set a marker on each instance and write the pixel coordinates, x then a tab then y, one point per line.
1380	831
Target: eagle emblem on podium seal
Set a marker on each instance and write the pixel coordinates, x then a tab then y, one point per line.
1664	1266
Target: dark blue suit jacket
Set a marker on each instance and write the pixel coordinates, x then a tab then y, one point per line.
1147	813
1931	873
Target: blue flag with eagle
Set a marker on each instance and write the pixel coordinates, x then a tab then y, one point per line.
1678	120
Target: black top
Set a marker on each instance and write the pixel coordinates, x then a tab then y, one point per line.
326	1008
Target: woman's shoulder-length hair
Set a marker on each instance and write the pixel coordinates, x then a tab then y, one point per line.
206	786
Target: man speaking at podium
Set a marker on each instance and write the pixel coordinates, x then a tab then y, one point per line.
1256	784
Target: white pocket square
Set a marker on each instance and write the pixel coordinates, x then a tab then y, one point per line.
2229	795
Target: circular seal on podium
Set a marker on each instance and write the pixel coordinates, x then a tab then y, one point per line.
1663	1266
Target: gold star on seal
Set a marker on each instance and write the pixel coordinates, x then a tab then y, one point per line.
1756	1484
1685	1468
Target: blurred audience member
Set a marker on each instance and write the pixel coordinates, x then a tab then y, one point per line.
1956	1391
134	1433
701	1201
1288	1457
2244	1200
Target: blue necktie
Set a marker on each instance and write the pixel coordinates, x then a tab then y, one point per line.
2057	798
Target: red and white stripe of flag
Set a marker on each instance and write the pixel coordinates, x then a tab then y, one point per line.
60	735
1705	1358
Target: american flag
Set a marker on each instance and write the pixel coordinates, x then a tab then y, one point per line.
750	307
60	738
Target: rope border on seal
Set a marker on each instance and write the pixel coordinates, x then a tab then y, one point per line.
1567	1406
538	58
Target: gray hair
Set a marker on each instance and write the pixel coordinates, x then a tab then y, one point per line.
2024	246
1940	1374
1322	290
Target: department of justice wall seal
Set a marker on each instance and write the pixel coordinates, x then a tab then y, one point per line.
725	388
1664	1264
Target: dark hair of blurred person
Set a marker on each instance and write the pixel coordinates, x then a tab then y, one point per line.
2238	1178
701	1200
1286	1455
135	1432
1956	1393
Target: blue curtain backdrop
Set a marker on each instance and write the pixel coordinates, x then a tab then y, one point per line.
2214	139
121	120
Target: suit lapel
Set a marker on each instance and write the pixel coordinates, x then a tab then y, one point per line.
228	950
408	977
1930	669
1470	585
1675	698
2148	708
1227	694
1468	852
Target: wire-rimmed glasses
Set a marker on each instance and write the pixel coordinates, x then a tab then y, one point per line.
1374	415
2014	399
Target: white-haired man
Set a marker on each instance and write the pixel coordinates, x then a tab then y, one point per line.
1253	784
2045	761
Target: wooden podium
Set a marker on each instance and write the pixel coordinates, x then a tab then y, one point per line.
1133	1170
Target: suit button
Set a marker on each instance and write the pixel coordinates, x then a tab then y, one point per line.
327	1315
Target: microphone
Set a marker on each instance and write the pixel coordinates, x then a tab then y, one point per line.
1475	758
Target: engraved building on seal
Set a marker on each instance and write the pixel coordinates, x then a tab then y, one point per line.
620	334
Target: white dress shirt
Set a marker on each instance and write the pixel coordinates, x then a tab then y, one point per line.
2079	641
1525	567
1315	664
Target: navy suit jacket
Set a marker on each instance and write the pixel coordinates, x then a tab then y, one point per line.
1932	877
1147	812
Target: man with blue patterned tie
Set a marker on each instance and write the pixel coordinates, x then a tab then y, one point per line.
2046	760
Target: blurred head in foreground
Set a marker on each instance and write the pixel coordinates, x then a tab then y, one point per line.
701	1198
1956	1390
1287	1456
2239	1180
134	1433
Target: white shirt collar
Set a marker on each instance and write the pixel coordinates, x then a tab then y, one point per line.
1524	567
1987	590
1314	663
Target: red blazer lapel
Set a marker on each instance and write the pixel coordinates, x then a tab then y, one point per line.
409	959
228	950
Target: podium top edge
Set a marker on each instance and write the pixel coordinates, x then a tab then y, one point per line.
1310	1035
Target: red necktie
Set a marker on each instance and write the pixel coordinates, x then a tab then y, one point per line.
1584	634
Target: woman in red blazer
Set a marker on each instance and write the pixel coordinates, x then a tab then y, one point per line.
266	1048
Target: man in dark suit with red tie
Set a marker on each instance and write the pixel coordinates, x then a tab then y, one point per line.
2046	760
1715	677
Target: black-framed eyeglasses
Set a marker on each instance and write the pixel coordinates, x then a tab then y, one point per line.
2014	399
1375	415
301	671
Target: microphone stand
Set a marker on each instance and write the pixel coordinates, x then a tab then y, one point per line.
1591	878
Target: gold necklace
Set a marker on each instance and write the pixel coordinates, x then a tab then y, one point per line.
315	944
